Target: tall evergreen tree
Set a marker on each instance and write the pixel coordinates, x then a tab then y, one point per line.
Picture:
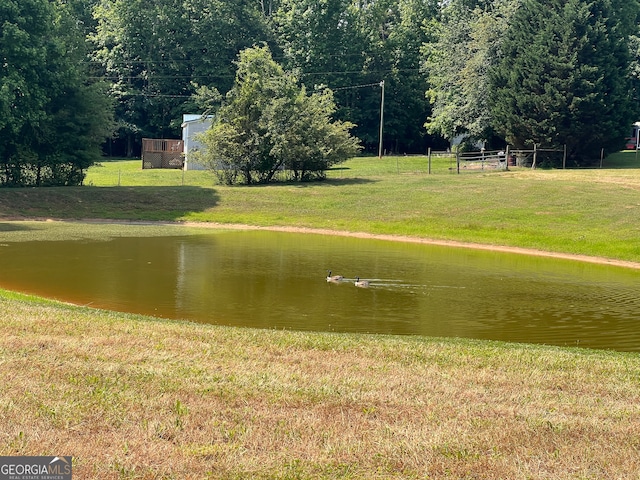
563	75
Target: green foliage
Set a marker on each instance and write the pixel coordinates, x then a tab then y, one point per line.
563	78
351	46
395	35
156	52
634	50
462	47
269	123
303	137
51	121
542	76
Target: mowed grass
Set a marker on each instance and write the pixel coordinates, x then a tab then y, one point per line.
132	397
591	212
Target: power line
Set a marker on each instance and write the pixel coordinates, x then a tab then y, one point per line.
356	86
379	84
153	95
148	76
197	61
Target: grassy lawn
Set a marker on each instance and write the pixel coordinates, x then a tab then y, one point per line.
134	397
590	212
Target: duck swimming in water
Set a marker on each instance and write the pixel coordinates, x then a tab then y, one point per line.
334	278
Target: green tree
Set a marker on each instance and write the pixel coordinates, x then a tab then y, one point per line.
52	122
82	12
563	76
302	136
394	36
321	40
461	48
269	123
156	52
353	45
634	49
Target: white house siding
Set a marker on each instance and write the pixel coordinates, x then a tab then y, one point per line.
191	126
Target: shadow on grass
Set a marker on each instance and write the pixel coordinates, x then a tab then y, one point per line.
626	159
123	203
316	183
14	227
348	181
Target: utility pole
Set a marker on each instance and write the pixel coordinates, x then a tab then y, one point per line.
381	118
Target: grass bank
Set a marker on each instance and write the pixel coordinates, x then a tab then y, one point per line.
587	212
134	397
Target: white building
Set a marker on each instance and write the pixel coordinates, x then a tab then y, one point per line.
192	125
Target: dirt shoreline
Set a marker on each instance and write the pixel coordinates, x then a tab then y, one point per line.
375	236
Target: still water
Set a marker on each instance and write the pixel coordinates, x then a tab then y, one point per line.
278	280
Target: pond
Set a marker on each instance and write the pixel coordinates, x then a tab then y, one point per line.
278	280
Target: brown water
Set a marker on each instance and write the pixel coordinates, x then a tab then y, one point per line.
277	280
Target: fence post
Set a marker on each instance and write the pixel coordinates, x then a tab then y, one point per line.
458	161
535	156
601	156
564	157
429	155
506	160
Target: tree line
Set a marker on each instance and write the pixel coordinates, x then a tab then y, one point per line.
75	72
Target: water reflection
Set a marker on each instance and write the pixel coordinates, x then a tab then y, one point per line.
278	280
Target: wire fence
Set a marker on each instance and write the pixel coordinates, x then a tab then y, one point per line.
461	162
130	173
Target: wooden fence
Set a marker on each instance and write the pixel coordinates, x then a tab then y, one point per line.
162	153
503	159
